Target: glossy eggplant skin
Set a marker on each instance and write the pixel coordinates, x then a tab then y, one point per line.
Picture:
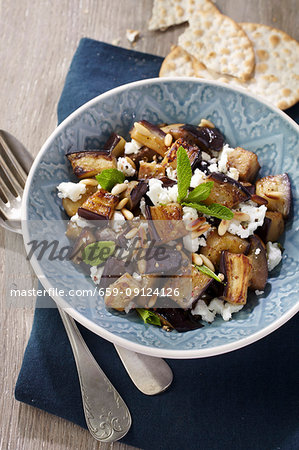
144	154
178	319
169	262
204	137
115	145
114	268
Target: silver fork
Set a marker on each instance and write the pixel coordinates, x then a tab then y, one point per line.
149	374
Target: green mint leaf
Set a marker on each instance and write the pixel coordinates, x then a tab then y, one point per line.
98	252
214	210
109	178
200	193
184	173
149	316
204	269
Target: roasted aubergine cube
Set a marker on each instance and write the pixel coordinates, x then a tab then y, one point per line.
272	228
134	192
71	208
170	158
277	190
205	138
245	162
144	154
89	163
85	238
149	135
200	283
237	271
168	221
226	191
99	206
115	145
259	267
216	244
150	170
122	292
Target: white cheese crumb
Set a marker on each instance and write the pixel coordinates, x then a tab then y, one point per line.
125	167
192	245
129	307
137	276
197	178
189	214
222	164
171	173
257	251
233	173
80	222
216	306
160	195
257	216
132	147
117	221
142	206
132	35
96	274
257	292
273	255
205	156
73	191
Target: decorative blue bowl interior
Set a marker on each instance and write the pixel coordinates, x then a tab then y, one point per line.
245	121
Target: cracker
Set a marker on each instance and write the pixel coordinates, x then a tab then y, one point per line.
167	13
276	74
219	43
178	63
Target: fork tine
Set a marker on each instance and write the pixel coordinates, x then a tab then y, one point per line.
3	208
17	168
11	177
7	193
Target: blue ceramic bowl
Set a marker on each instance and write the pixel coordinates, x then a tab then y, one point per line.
245	120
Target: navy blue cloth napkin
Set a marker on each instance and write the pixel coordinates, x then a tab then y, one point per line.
243	400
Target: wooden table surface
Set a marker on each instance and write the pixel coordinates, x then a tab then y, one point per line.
37	41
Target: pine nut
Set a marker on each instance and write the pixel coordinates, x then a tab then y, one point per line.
89	182
242	217
275	195
223	226
119	188
122	203
196	259
142	129
127	214
131	233
221	276
206	123
200	230
207	262
168	140
141	266
129	160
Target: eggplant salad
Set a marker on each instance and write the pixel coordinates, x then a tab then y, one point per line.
184	188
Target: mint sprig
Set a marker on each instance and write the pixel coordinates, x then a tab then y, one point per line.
108	178
214	210
200	193
98	252
184	173
149	316
204	269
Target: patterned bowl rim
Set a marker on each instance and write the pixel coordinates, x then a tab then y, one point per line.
79	317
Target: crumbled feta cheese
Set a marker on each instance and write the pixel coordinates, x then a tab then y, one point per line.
137	276
132	35
216	306
205	156
257	216
125	167
202	242
197	178
202	310
117	221
257	292
192	245
132	147
171	173
189	214
257	251
73	191
160	195
80	222
221	165
142	206
273	255
96	273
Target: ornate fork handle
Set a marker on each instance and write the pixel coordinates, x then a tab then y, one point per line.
107	416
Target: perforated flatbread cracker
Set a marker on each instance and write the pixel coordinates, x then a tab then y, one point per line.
167	13
276	74
219	43
179	63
